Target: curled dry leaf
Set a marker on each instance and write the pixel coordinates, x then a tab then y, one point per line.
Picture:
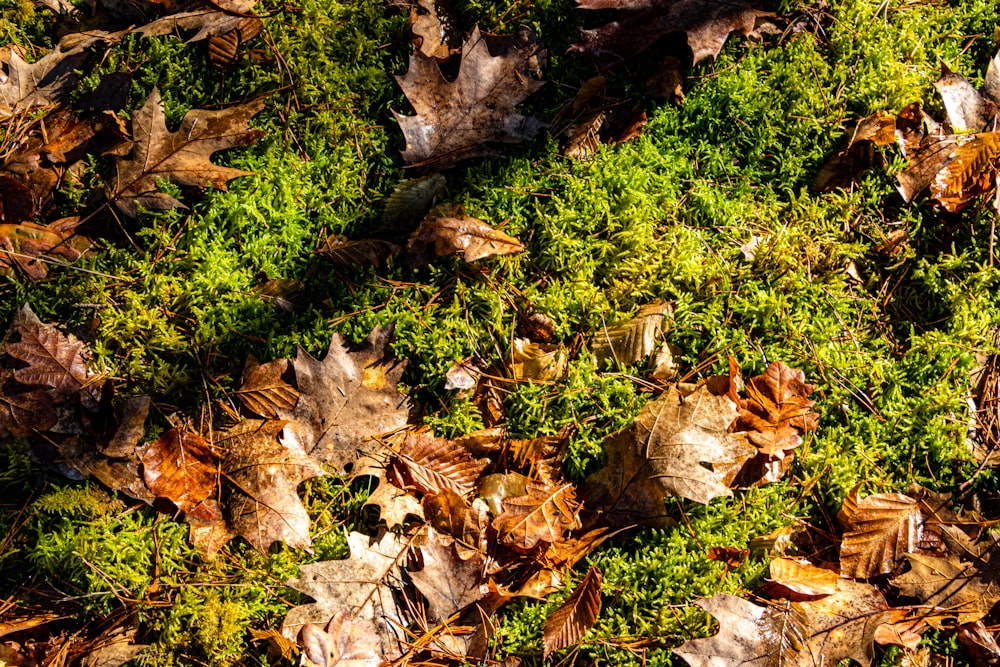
447	230
24	248
182	467
209	19
878	531
181	157
264	391
346	642
430	31
802	577
544	514
777	410
570	622
537	361
630	341
46	81
464	523
795	634
456	119
431	465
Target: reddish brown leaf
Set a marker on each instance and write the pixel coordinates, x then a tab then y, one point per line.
431	465
447	230
24	247
182	157
223	48
264	392
182	467
456	119
729	556
776	411
54	360
878	531
449	582
543	514
970	173
570	622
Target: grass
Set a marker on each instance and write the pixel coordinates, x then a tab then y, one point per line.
663	216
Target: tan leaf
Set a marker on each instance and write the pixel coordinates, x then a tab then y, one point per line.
803	577
260	480
430	465
630	341
543	514
970	172
450	514
957	592
449	582
570	622
430	33
347	399
346	642
447	231
537	361
217	17
968	110
455	119
878	531
395	505
793	634
264	392
363	582
182	467
46	81
182	157
777	410
23	247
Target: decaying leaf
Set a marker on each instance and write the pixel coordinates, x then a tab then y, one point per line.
971	172
430	31
956	591
777	410
54	360
182	467
264	391
465	523
46	81
878	531
362	583
449	582
26	248
346	642
537	361
208	19
456	119
182	157
641	23
569	623
802	577
543	514
630	341
844	167
347	399
431	465
447	231
261	476
799	634
347	253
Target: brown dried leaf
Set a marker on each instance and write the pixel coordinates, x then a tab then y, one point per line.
796	634
430	465
46	81
346	642
347	399
430	32
642	23
264	392
537	361
630	341
957	591
971	172
447	231
878	531
260	480
224	48
544	514
54	360
346	253
570	622
449	582
455	119
803	577
776	411
967	109
364	582
182	157
844	167
213	18
23	247
181	467
464	523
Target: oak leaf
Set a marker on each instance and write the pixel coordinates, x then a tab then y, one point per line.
182	157
878	531
346	642
182	467
570	622
364	583
791	634
346	399
956	591
261	476
447	230
777	410
707	25
456	119
543	514
395	505
431	465
449	582
46	81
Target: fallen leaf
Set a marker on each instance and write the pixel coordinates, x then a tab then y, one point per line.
570	622
449	582
641	23
447	231
182	467
260	477
223	48
630	341
431	465
537	361
347	399
363	583
346	253
430	32
395	505
56	361
796	634
214	18
264	391
980	642
543	514
456	119
971	172
878	531
802	577
844	167
346	642
967	109
955	592
777	410
464	522
181	157
47	81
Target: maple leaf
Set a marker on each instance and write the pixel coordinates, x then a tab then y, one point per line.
878	531
447	230
182	467
570	622
181	157
632	340
346	642
430	465
260	478
455	119
707	25
792	634
363	583
543	514
346	399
